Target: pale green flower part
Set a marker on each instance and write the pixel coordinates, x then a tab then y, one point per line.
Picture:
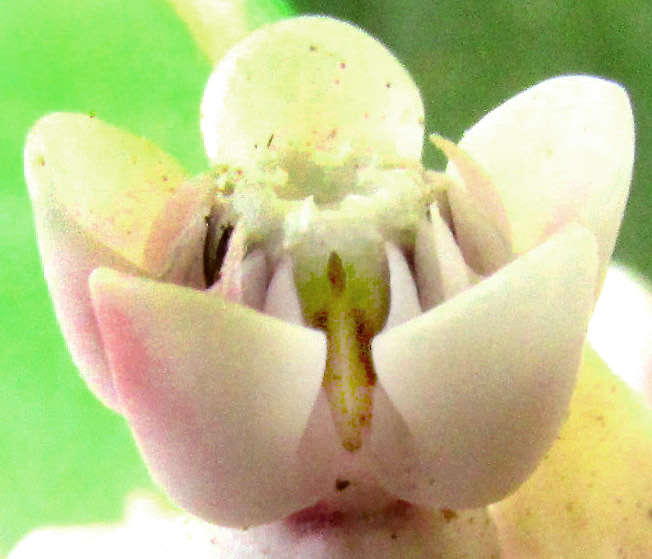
319	329
217	25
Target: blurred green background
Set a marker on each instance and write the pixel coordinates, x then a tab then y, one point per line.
65	459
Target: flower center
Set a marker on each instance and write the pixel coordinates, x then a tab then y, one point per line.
333	221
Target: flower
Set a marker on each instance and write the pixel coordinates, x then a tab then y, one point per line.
319	325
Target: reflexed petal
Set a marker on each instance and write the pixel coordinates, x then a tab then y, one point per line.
483	381
254	279
561	152
440	267
218	396
96	191
312	83
216	25
403	296
592	495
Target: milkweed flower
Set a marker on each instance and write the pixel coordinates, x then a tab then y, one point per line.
319	329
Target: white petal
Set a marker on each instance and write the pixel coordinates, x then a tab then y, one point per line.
483	381
476	183
440	267
312	83
404	300
254	279
112	183
282	300
218	396
97	192
561	152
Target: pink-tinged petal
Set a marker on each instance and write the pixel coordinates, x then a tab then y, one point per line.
254	279
621	328
69	255
403	296
95	191
561	152
216	25
175	247
311	83
441	270
112	183
592	494
476	183
217	395
282	299
483	381
482	227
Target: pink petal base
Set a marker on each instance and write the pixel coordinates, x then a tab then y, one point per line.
218	397
398	532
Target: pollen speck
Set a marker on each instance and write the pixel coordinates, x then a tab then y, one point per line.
448	514
336	273
341	484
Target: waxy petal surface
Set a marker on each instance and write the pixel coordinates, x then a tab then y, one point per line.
483	381
217	395
112	183
592	494
254	279
482	227
403	296
282	300
561	152
316	85
96	191
440	268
